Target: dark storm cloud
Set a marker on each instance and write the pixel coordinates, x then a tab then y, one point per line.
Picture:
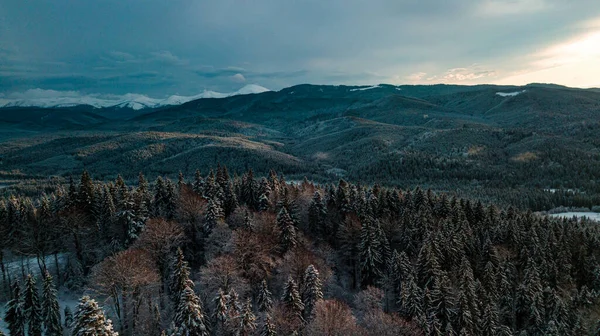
186	46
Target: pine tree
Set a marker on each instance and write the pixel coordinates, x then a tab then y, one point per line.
268	328
198	185
248	224
291	299
411	299
233	304
86	192
247	320
287	236
32	308
180	277
369	252
311	291
264	299
230	201
189	316
90	320
180	181
15	312
317	217
68	317
220	315
212	215
50	308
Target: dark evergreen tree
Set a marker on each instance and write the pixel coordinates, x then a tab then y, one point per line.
85	195
189	316
291	299
287	237
369	252
317	217
268	328
180	277
90	320
220	314
50	308
32	308
212	215
247	323
198	185
15	312
311	291
68	317
264	299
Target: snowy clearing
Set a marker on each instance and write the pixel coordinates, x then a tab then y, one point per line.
509	94
365	88
595	216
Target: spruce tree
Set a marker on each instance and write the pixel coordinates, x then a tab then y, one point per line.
189	317
68	317
15	312
212	215
311	291
248	224
50	308
86	192
198	185
32	307
90	320
291	299
287	236
369	252
264	300
247	323
317	216
233	304
180	277
268	328
220	315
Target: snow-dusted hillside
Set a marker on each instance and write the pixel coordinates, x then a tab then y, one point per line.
51	98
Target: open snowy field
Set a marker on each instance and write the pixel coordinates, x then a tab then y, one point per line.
589	215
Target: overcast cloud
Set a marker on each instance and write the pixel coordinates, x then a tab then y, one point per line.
161	48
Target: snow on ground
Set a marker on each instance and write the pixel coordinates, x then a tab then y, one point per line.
509	94
365	88
51	98
17	267
595	216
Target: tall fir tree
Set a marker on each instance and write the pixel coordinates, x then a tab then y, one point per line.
317	217
180	277
32	307
264	299
311	291
189	316
287	236
291	299
15	312
247	323
50	308
90	320
198	185
220	315
68	317
268	328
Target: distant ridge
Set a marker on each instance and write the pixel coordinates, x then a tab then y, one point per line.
51	98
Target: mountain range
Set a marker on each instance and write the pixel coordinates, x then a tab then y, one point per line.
51	99
483	138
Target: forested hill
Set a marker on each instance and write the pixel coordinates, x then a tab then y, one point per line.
500	143
250	255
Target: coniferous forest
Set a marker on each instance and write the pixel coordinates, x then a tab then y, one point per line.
216	254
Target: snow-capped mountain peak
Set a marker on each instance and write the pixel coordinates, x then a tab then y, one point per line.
52	98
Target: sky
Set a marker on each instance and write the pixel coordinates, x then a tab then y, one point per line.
160	48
